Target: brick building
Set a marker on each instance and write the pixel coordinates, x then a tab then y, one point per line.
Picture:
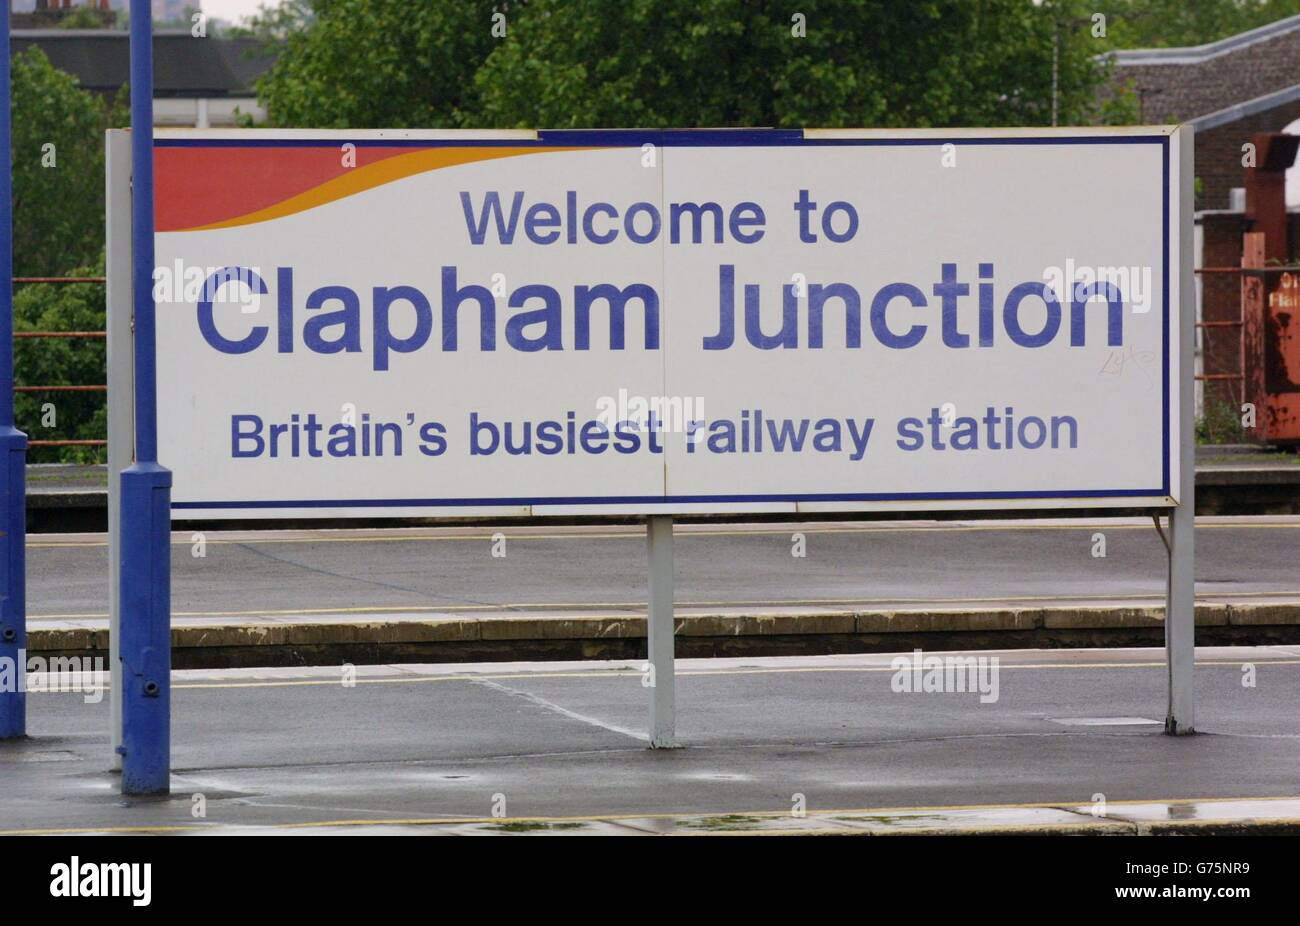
1228	89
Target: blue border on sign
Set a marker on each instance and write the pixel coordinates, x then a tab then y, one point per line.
706	138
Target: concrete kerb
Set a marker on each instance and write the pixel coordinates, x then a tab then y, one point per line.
544	636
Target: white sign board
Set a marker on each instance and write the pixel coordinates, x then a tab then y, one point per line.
434	323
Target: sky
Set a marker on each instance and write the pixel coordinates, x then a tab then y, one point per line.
233	10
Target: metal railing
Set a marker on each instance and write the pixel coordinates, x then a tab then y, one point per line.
1239	322
89	335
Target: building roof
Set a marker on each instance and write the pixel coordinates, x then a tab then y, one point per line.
1219	82
184	66
1248	108
1195	54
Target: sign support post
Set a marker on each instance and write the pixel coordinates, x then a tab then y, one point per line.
121	430
1180	600
13	451
659	632
145	499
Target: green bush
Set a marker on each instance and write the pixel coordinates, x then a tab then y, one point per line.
61	361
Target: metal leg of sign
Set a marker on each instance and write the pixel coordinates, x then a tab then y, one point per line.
1180	600
1180	622
13	458
121	389
659	630
145	553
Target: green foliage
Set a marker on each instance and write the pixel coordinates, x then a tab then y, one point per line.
58	171
83	17
647	63
1123	107
657	63
1221	423
375	63
61	361
570	63
58	168
1173	23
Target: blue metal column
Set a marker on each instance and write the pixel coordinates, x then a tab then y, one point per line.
145	585
13	453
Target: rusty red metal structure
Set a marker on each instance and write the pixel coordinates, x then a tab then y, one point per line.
1279	399
1268	346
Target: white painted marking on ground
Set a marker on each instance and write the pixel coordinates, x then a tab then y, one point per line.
564	711
1105	721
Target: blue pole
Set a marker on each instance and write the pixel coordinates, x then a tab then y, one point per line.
145	577
13	455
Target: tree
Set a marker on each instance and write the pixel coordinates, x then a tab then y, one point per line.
1173	23
375	63
58	168
558	63
733	62
655	63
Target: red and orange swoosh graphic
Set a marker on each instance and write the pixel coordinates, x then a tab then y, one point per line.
198	188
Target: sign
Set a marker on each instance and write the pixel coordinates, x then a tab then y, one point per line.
438	323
